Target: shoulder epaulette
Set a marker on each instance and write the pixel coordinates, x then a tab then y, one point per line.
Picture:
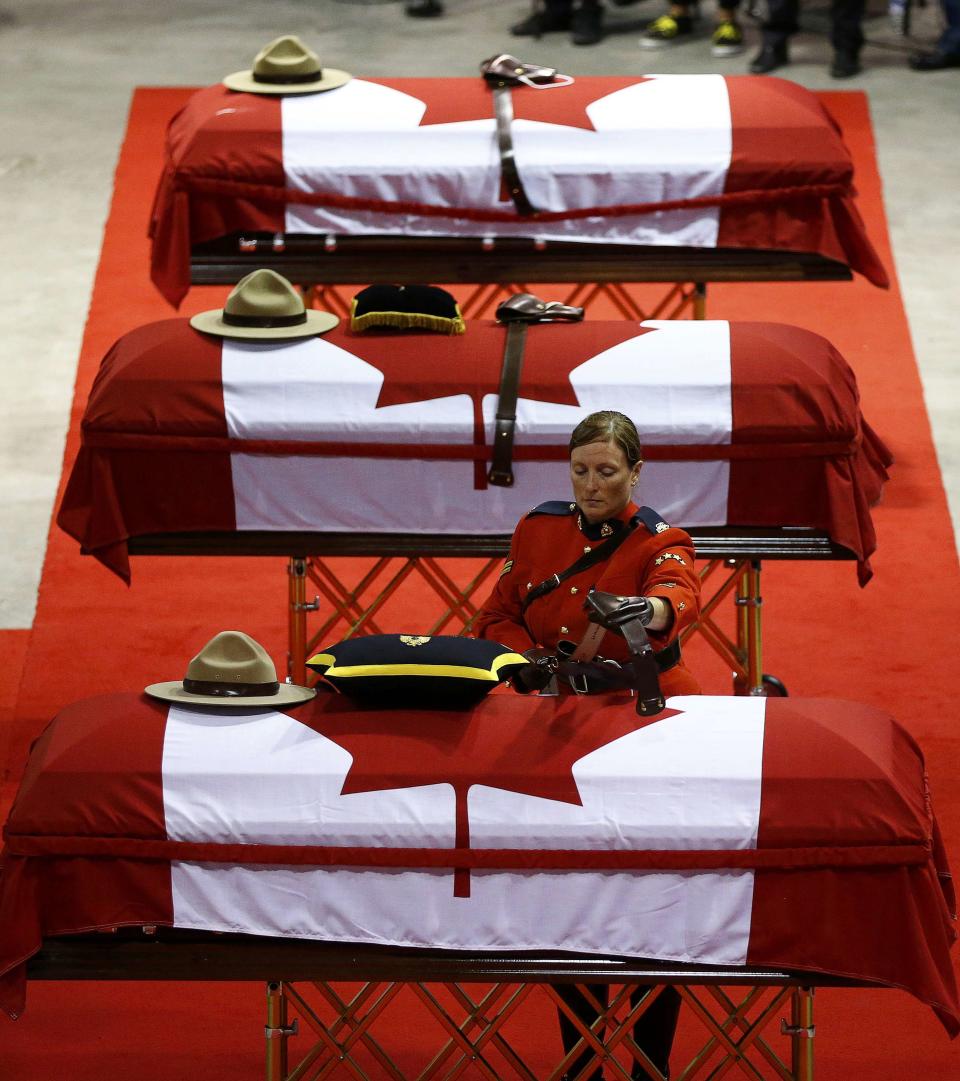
553	506
652	520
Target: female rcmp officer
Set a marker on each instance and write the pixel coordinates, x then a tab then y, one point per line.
651	560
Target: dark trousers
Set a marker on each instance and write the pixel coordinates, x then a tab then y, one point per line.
846	16
949	42
564	7
653	1033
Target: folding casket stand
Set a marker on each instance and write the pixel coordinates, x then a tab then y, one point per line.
471	997
734	558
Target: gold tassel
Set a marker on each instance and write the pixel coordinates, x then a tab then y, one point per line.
407	321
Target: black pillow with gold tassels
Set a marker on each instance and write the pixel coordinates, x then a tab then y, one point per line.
406	307
442	671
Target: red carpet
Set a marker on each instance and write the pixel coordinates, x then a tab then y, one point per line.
891	645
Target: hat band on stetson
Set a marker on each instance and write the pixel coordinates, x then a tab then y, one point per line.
264	320
230	690
308	77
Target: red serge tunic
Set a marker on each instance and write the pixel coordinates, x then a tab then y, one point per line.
656	560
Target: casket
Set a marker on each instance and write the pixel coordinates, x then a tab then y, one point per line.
727	831
654	166
743	424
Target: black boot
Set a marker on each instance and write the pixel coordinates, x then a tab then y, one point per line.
586	23
769	58
540	21
424	9
845	65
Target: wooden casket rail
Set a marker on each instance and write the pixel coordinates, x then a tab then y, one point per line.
725	542
173	954
345	260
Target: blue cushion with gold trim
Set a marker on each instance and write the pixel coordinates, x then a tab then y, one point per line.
442	671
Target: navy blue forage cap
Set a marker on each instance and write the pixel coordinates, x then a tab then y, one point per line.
407	307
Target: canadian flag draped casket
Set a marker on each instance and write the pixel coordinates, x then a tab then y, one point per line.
713	162
734	831
745	424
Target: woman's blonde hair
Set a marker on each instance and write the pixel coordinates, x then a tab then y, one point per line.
609	426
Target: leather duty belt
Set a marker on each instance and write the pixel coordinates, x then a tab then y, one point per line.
500	473
503	112
594	672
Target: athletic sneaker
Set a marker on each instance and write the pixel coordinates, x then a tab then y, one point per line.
727	39
666	30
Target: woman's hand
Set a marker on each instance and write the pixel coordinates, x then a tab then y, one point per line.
536	675
610	610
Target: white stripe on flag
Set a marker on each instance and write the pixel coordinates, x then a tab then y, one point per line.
668	137
311	389
261	777
690	781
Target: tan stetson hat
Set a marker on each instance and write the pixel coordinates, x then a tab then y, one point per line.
264	305
286	66
232	671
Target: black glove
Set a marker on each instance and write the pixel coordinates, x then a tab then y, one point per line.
612	611
629	616
535	675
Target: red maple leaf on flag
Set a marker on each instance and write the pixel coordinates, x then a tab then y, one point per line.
520	745
419	367
450	102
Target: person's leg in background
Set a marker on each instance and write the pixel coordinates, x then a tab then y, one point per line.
846	36
545	17
678	24
946	53
586	22
727	37
780	23
653	1032
668	29
583	18
569	1033
423	9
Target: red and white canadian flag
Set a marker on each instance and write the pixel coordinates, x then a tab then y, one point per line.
726	831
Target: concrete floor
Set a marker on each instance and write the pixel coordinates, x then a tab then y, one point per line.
65	84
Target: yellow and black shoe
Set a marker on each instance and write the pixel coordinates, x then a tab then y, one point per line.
727	38
666	30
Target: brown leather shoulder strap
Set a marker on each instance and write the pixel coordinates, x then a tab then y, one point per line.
503	112
501	467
